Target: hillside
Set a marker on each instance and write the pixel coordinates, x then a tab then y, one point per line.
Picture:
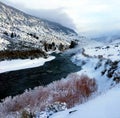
19	30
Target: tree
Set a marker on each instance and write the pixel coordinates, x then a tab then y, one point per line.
73	44
61	47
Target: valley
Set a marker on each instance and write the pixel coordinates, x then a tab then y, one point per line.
48	70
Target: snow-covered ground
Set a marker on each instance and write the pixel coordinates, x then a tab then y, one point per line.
93	68
110	51
106	105
101	62
18	64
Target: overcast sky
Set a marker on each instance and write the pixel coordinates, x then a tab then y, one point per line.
83	15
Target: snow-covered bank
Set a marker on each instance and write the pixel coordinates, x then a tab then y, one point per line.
93	67
101	63
18	64
104	106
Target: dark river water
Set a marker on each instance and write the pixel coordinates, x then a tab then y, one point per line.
15	82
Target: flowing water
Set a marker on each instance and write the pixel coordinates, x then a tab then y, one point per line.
15	82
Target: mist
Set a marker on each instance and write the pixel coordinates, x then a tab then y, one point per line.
55	15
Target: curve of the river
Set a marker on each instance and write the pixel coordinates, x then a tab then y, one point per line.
15	82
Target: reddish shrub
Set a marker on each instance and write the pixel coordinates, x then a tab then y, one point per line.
76	90
72	90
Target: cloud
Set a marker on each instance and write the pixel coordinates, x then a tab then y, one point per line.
57	15
35	4
84	15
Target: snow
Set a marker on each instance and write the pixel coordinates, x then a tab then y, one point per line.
17	64
106	105
3	43
88	68
93	66
111	51
15	21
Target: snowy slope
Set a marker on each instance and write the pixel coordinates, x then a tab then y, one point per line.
88	68
109	51
24	31
106	105
101	63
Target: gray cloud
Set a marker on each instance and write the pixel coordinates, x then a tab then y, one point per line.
87	16
55	15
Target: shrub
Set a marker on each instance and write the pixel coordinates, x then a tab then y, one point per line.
76	90
61	47
13	35
73	90
6	33
22	54
73	44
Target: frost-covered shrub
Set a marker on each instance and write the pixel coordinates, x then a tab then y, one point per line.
75	89
22	54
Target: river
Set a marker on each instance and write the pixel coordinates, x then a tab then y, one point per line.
15	82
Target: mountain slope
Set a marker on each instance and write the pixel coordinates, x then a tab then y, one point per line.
21	31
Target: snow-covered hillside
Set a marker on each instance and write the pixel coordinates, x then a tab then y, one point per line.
109	51
101	62
21	31
106	105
